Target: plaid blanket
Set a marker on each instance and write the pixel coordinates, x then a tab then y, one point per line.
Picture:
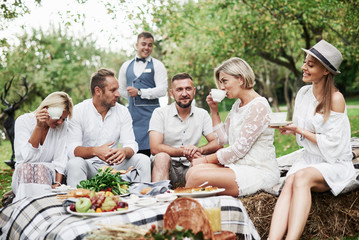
46	218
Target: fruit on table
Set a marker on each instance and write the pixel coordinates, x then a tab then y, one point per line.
108	204
83	205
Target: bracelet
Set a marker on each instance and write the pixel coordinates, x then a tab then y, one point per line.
56	182
302	136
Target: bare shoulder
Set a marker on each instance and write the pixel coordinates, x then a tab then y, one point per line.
338	102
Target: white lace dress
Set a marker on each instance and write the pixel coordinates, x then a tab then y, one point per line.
35	167
251	153
333	154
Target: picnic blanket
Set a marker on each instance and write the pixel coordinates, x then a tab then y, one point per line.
45	218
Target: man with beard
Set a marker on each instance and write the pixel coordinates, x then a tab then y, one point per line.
97	127
175	131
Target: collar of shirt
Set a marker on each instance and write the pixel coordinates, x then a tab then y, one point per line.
148	59
98	114
173	111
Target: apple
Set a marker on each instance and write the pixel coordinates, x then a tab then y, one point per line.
83	205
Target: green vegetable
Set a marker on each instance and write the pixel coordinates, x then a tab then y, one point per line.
105	179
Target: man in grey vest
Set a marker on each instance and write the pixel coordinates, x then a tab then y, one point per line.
143	80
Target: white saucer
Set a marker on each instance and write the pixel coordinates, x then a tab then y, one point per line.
279	124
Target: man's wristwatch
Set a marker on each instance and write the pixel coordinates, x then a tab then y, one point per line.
139	93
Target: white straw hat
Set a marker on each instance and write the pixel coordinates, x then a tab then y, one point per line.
327	54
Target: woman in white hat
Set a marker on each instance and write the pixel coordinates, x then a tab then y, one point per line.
322	128
40	147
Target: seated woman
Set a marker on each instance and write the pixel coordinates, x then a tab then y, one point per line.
322	127
249	163
40	143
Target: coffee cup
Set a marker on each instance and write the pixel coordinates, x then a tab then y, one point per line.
278	117
55	112
218	95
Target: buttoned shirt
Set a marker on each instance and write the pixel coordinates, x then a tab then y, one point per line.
176	132
139	67
88	129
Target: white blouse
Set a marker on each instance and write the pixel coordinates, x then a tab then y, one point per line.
251	153
35	168
52	152
333	154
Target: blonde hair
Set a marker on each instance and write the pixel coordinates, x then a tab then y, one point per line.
57	99
325	104
238	68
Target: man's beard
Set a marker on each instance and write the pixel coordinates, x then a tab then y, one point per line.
106	104
181	105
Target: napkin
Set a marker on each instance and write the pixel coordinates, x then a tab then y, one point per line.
156	188
131	176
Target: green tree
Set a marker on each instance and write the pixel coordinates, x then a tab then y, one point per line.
53	61
201	34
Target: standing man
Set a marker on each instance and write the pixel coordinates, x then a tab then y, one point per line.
175	131
97	127
143	80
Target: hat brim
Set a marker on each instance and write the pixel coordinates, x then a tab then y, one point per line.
325	65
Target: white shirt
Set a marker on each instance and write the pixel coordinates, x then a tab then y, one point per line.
177	132
87	128
51	153
160	78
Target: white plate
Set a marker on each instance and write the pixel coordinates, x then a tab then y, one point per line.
62	188
279	124
166	197
144	202
102	214
200	194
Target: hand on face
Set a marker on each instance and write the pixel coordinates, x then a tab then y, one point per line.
42	117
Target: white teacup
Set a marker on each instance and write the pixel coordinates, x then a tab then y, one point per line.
55	112
278	117
217	94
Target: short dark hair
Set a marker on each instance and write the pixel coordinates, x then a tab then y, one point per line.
98	79
145	35
180	76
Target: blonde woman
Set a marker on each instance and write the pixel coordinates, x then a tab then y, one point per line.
322	128
39	144
249	163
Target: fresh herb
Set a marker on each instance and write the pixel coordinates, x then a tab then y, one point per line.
176	234
105	180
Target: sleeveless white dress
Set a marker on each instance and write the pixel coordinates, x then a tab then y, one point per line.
251	153
333	154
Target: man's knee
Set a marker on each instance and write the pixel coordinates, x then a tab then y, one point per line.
75	163
162	160
141	161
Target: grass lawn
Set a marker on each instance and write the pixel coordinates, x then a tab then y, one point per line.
5	170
